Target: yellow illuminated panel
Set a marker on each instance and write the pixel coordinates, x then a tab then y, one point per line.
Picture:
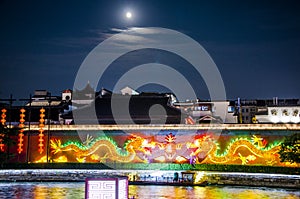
199	149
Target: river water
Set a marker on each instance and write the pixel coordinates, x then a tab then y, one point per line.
72	190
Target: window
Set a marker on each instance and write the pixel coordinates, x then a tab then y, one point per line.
273	112
205	108
230	109
295	113
285	112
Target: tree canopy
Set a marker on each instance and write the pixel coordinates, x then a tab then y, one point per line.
290	149
5	139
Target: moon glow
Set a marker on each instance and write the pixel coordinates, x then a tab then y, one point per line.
128	15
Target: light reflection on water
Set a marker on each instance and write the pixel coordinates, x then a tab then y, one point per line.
35	190
211	192
76	190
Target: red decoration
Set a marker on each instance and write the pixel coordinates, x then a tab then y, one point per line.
3	116
41	130
264	142
189	120
170	138
21	135
3	121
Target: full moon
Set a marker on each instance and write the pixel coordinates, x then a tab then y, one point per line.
128	15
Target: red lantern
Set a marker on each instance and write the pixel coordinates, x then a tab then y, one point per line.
41	130
3	116
21	135
2	145
3	122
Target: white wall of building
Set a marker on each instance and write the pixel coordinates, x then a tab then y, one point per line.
281	115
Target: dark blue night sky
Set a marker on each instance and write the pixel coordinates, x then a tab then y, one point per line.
255	44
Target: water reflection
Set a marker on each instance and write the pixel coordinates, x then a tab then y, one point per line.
76	191
35	190
211	192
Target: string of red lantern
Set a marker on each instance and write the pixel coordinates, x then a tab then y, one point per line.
3	116
3	122
41	130
21	135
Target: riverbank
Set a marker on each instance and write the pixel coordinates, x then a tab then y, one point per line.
146	177
157	166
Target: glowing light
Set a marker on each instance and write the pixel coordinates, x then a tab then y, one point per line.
3	116
200	177
41	130
189	120
180	159
3	121
128	15
161	159
145	142
285	118
61	159
197	143
274	119
170	138
240	150
295	119
42	159
1	144
21	135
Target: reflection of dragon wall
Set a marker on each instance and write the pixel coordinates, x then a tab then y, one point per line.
139	149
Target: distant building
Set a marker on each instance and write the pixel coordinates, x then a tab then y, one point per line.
128	108
280	114
248	113
150	108
270	111
226	108
129	91
207	111
66	95
83	97
43	98
195	108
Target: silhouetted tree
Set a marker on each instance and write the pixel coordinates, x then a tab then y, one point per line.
5	136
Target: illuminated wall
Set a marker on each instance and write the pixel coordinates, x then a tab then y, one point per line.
236	147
